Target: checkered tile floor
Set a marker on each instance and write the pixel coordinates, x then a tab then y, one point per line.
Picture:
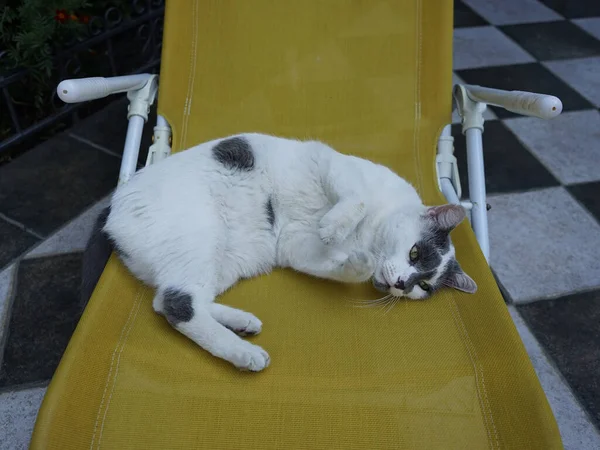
543	177
543	180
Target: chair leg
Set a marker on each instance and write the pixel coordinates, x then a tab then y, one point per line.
140	101
447	172
477	192
471	113
131	149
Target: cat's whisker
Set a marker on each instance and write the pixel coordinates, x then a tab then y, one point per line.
392	303
378	305
383	307
367	300
371	303
365	306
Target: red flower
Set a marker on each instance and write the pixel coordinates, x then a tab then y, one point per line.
61	16
85	19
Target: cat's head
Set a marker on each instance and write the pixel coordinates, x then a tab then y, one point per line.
416	255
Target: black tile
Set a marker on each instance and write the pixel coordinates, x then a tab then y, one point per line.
108	127
54	182
532	77
503	291
45	311
14	242
509	166
464	16
572	9
589	195
547	41
568	329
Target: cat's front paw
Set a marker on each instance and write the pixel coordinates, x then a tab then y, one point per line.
247	356
341	221
360	266
332	233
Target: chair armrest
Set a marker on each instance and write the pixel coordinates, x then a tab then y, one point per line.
84	89
519	102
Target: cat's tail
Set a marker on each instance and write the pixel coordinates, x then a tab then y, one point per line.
95	257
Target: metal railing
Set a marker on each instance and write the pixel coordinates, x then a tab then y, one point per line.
121	43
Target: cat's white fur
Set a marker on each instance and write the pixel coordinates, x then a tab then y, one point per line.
194	224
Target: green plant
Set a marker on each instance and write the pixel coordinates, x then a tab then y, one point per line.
30	30
32	33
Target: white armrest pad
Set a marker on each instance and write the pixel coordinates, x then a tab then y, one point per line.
84	89
519	102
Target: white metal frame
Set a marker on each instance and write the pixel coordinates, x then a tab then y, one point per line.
471	102
141	92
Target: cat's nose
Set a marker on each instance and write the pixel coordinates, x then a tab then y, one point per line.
400	284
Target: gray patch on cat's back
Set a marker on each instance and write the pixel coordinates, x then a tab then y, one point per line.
234	153
177	306
270	211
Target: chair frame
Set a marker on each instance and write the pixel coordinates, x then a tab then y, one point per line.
471	101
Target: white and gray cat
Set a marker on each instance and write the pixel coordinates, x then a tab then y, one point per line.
194	224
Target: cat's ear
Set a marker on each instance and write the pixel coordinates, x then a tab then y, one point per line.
447	217
461	281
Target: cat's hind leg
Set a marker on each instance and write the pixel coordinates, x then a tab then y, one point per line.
240	322
191	311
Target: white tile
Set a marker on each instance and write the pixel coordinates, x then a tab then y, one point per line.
488	114
18	411
543	244
582	74
506	12
589	24
576	430
73	236
569	145
485	46
6	279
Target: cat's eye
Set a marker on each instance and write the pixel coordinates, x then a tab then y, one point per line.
424	286
414	253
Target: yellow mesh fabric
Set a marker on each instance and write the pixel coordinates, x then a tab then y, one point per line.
371	78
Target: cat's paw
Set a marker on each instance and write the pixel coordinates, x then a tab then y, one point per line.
240	322
252	327
340	222
247	356
359	266
332	234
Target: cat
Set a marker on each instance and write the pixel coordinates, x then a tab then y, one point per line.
194	224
